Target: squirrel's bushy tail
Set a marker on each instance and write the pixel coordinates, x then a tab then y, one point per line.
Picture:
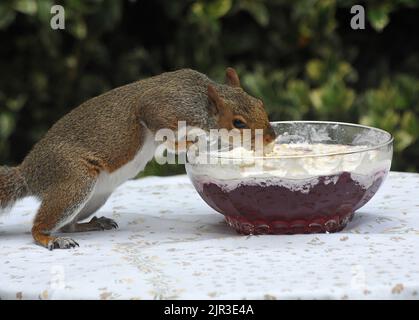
12	186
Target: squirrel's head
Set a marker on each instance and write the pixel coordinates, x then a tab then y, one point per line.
235	109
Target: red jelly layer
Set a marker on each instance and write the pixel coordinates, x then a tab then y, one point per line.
327	204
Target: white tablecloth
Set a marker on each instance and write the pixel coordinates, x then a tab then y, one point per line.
172	245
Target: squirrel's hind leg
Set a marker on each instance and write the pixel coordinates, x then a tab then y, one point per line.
59	207
95	224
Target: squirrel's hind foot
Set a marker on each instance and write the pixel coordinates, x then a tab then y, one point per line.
95	224
102	223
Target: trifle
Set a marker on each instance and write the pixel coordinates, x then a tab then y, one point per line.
317	175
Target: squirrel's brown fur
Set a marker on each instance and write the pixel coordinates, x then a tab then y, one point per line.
106	132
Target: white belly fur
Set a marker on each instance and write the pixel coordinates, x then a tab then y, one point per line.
108	182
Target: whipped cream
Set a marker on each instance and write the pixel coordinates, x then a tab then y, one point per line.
295	164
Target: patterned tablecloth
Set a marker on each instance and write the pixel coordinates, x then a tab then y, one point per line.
172	245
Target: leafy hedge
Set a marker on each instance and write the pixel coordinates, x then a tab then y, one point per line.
300	56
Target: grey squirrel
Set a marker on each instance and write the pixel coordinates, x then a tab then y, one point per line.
109	139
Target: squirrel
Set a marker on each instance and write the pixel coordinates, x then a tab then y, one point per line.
109	139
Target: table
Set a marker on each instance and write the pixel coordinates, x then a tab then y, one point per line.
172	245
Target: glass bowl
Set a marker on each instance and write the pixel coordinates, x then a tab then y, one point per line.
324	173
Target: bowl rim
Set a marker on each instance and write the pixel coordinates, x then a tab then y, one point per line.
389	140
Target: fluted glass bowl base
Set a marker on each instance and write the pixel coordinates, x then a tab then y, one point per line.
325	224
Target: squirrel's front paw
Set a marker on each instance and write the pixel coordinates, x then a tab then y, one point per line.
62	243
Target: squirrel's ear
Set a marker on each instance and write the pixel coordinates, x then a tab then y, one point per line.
216	103
232	78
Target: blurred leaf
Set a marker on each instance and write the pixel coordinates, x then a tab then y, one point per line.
6	124
257	9
333	97
17	103
402	140
298	94
219	8
214	9
7	15
29	7
379	15
315	69
410	123
44	10
78	29
109	14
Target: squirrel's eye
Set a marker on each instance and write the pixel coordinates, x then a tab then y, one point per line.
239	124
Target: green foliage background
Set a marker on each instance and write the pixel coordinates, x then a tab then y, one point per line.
301	57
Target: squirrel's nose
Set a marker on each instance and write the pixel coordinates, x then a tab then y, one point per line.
269	135
268	138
